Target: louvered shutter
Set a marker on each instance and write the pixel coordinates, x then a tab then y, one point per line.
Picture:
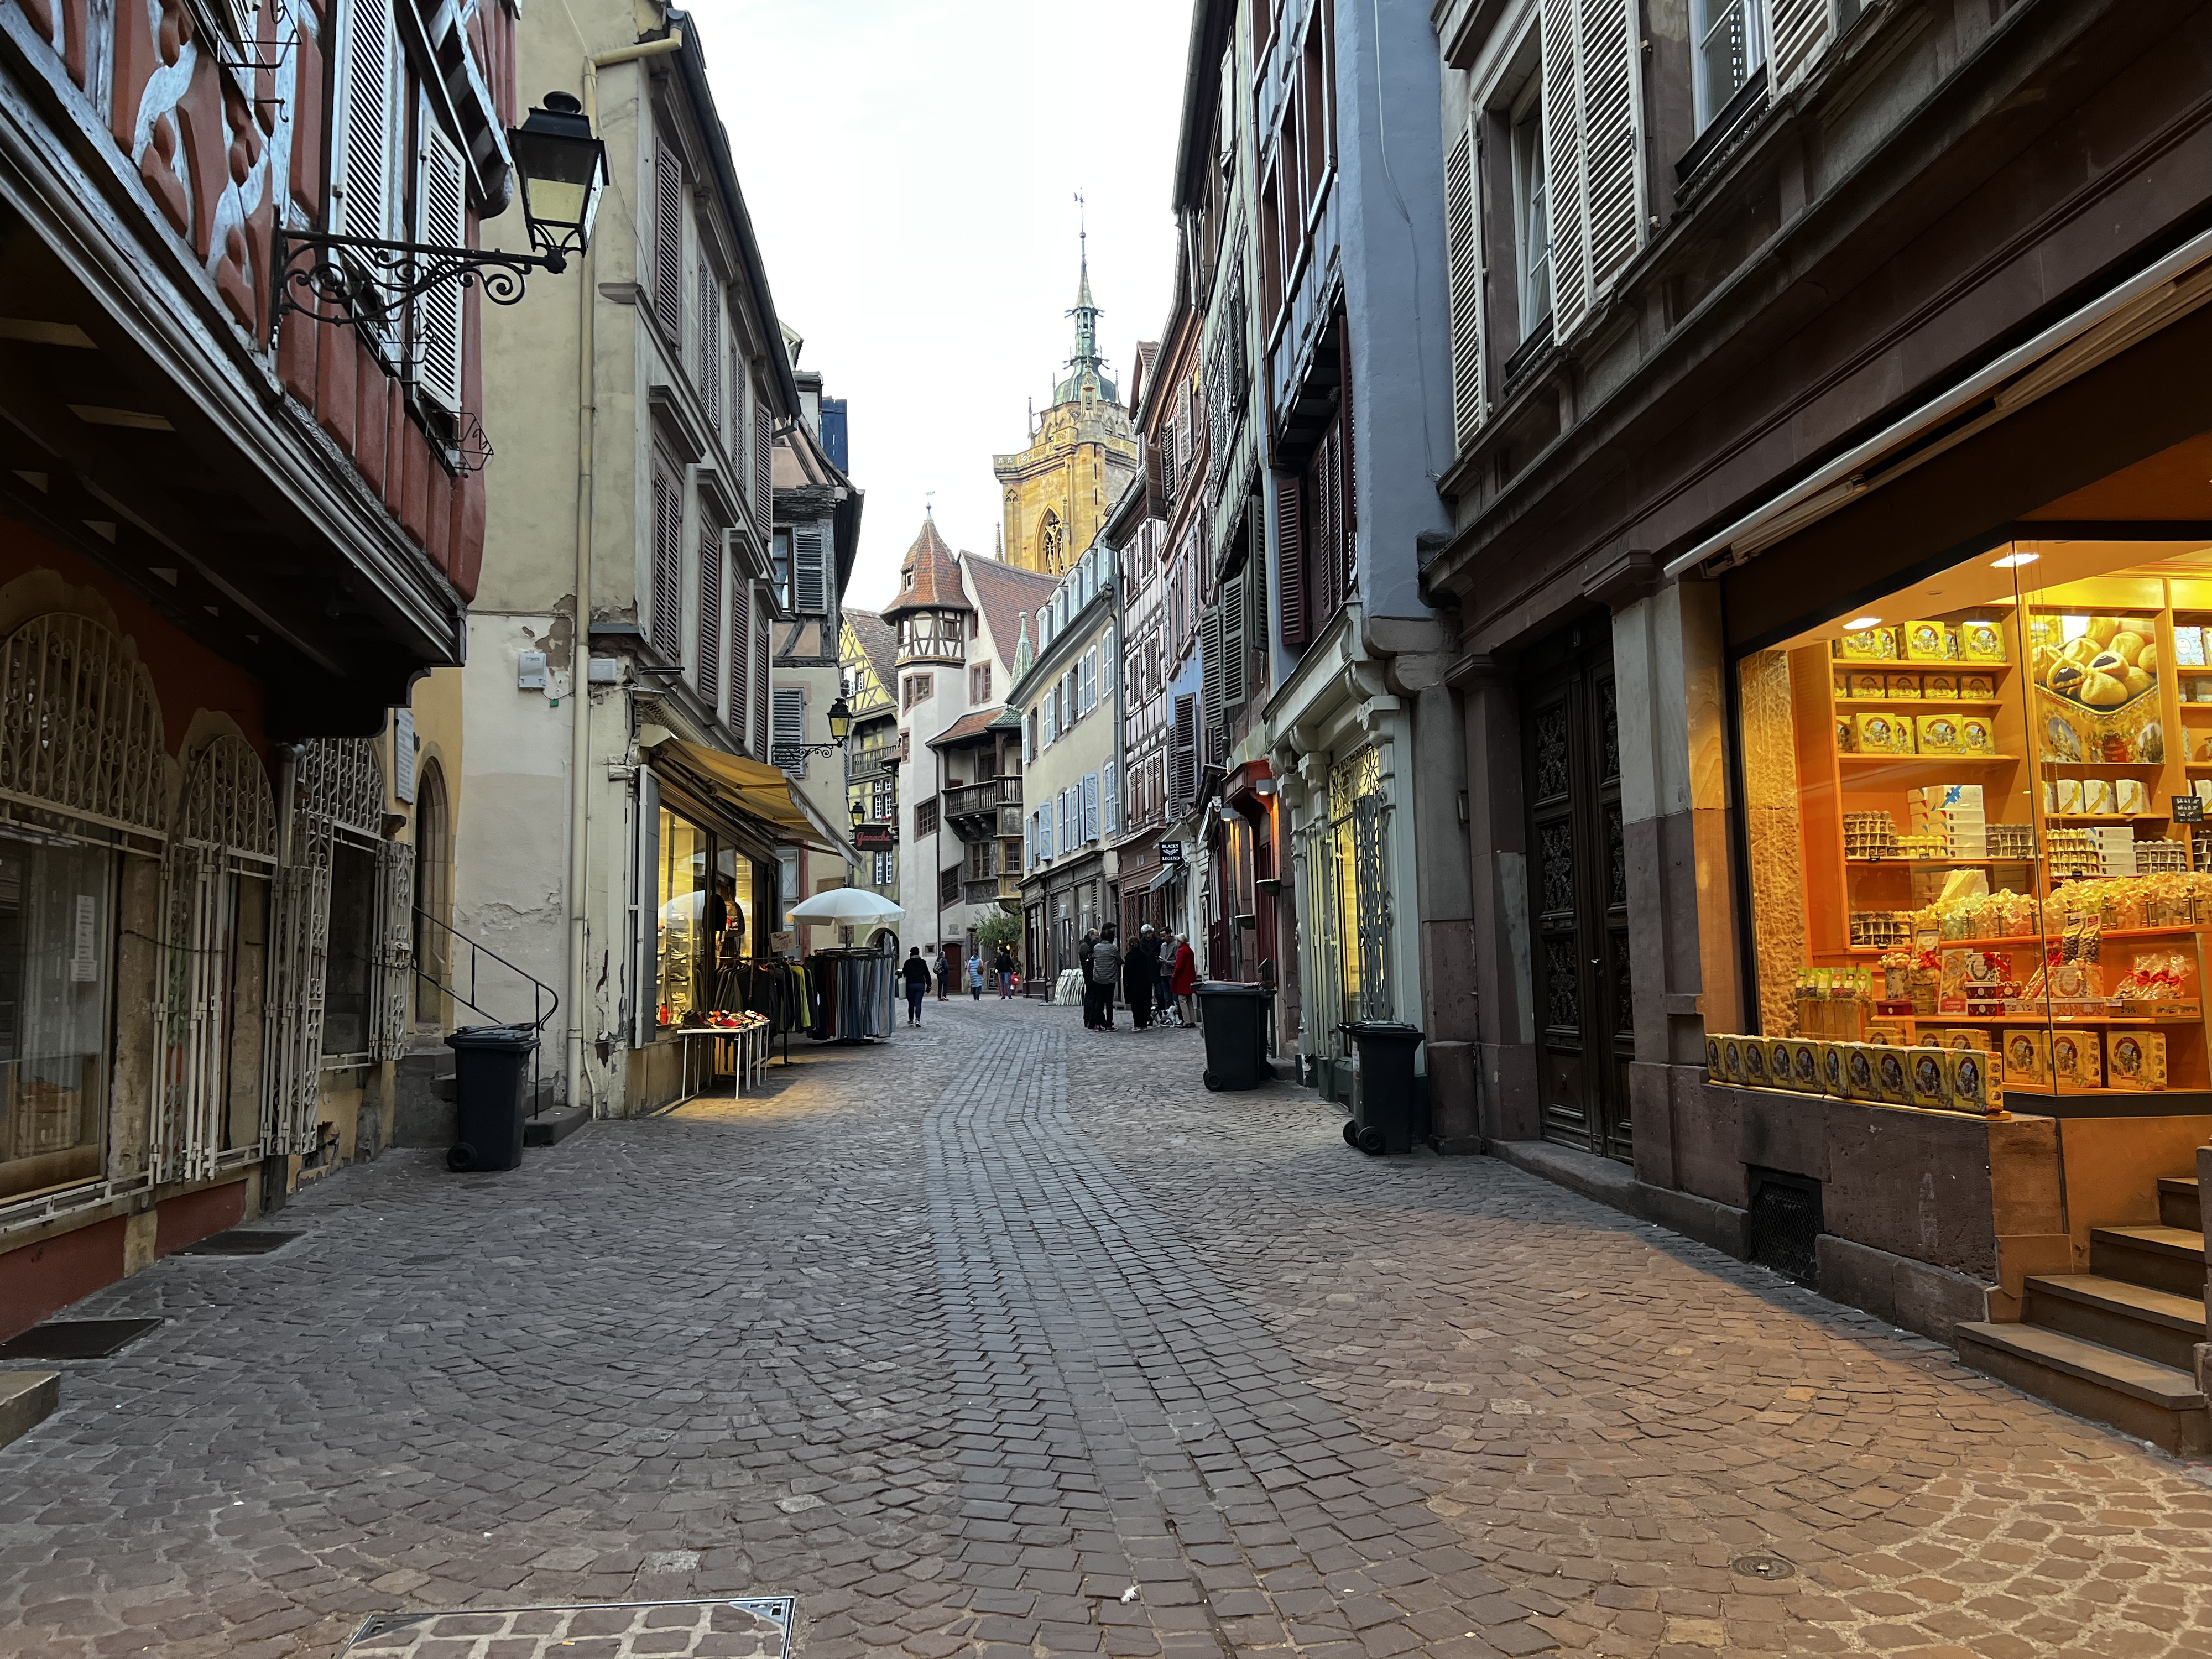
790	728
1347	449
1156	494
1109	790
1563	167
668	240
1797	32
1613	188
1232	641
710	347
1186	749
1209	657
1291	560
741	658
1463	268
761	657
809	584
441	198
1028	842
361	173
1048	843
709	674
1090	803
667	561
764	467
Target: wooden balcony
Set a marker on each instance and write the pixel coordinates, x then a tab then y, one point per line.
975	812
1005	890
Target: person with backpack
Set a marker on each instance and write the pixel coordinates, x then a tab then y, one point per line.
975	979
943	975
915	972
1003	967
1104	972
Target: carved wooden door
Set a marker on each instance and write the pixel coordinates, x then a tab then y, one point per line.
1578	891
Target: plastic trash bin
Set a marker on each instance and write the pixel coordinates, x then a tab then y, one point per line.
1236	1021
1383	1090
490	1065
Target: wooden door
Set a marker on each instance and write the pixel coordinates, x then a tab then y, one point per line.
1578	891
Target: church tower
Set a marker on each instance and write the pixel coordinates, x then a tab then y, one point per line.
1082	454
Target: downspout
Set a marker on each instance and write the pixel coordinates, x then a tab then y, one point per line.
580	696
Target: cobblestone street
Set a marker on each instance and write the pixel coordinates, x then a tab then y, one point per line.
1008	1338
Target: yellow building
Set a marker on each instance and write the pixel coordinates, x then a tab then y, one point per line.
1082	453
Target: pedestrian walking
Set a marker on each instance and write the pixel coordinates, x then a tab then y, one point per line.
944	974
1140	972
1105	971
975	979
1185	983
915	973
1163	983
1003	966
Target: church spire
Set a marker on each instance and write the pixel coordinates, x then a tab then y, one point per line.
1085	314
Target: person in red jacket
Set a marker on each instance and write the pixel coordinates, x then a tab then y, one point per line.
1185	983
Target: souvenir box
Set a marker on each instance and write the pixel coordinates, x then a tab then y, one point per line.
1880	734
1891	1085
2076	1059
1832	1070
2027	1058
1928	1073
1981	642
2135	1060
1805	1066
1754	1062
1942	687
1713	1072
1935	734
1977	1084
1905	687
1978	735
1868	685
1731	1069
1858	1073
1928	641
1980	687
1868	645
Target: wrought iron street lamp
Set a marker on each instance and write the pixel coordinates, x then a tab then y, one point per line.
353	280
840	727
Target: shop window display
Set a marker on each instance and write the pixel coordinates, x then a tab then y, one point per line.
1972	812
706	923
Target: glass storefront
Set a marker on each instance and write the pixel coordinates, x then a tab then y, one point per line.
707	921
1978	870
56	937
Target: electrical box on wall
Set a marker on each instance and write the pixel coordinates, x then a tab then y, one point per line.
606	670
531	675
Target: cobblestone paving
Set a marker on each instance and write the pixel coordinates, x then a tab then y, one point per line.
1007	1339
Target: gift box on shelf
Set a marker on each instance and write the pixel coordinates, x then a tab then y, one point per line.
2135	1060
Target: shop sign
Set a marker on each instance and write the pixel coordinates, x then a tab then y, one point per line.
2188	809
1170	852
875	837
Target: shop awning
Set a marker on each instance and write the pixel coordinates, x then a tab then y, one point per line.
1173	872
760	792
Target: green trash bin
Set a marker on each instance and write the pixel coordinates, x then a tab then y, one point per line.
1236	1021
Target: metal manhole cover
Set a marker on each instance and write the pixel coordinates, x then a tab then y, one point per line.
75	1339
755	1625
239	1241
1763	1566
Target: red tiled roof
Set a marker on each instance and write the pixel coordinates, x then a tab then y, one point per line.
879	640
968	725
1005	592
929	576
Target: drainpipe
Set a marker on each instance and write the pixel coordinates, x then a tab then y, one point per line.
580	695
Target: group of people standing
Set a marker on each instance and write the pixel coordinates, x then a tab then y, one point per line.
1155	970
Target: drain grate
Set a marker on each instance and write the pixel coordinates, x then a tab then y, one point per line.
1785	1220
239	1241
755	1625
75	1339
1769	1567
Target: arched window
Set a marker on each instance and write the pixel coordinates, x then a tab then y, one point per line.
1052	542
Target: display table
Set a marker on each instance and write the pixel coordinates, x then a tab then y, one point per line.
739	1053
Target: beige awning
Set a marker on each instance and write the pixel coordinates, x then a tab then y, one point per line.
760	792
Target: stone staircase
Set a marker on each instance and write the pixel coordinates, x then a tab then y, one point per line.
2117	1344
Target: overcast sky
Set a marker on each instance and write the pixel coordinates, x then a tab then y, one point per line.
911	166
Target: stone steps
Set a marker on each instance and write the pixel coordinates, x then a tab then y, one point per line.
2177	1205
2165	1258
2151	1402
2152	1324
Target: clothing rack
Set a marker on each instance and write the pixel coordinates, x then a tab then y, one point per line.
855	1000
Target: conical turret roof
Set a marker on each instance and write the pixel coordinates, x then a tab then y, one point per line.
929	576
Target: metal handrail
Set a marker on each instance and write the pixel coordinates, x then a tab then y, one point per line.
544	1000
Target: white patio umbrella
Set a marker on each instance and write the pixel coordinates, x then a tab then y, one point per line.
852	906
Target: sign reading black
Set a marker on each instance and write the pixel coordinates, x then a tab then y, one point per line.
2188	809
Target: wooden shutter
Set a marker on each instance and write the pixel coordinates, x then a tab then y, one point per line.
1463	270
710	347
763	468
441	198
761	658
667	560
1110	794
1612	171
1347	466
709	677
1231	634
741	660
1797	32
361	173
790	728
668	240
1563	167
1209	658
1186	750
1156	494
1090	805
1291	558
809	586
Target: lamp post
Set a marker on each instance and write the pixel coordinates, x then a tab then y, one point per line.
360	282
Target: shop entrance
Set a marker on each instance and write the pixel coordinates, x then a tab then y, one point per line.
1577	890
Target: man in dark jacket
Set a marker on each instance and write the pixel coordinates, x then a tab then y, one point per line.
1139	969
1105	970
915	972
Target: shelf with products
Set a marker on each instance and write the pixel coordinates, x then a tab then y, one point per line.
1935	863
1929	705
